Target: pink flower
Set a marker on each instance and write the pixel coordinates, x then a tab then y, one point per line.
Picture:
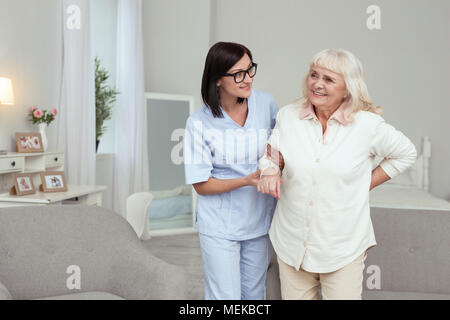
32	108
54	112
37	113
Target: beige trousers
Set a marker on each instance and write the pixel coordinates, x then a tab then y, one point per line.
343	284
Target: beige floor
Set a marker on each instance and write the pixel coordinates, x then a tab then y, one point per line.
182	250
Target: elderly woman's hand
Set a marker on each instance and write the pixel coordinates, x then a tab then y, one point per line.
270	183
275	156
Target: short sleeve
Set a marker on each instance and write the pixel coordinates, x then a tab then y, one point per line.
273	112
197	155
397	151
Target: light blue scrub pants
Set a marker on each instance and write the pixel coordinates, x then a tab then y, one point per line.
235	270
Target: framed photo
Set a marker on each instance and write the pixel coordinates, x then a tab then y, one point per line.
53	181
23	184
29	142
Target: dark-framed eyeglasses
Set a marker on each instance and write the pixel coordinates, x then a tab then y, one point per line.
240	75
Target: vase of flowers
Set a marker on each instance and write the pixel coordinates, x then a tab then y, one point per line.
43	118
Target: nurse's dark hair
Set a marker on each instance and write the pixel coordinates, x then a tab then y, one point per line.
221	57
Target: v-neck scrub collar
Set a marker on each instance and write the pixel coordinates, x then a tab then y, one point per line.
251	109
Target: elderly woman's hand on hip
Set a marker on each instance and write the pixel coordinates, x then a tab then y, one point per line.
270	182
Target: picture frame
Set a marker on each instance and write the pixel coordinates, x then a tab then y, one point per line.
29	142
53	181
23	184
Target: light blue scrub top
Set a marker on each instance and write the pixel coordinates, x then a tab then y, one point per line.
222	149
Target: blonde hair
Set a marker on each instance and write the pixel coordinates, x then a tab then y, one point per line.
348	65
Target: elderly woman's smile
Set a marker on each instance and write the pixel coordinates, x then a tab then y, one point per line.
326	88
317	93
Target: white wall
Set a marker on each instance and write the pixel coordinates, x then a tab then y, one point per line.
30	54
406	62
176	41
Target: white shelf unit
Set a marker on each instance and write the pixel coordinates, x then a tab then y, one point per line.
32	163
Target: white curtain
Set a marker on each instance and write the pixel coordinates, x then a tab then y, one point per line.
131	158
76	129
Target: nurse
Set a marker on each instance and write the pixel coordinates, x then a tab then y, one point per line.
223	143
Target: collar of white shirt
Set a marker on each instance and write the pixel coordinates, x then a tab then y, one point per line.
307	112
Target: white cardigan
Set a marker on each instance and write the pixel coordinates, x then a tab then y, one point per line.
322	220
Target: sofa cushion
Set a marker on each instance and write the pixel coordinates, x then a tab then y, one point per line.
393	295
93	295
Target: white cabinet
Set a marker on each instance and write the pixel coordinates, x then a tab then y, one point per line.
11	164
34	164
54	160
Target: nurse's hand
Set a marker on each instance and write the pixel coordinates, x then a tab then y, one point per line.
253	178
269	183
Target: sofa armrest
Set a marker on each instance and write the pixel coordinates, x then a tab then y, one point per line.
4	293
411	253
141	275
137	213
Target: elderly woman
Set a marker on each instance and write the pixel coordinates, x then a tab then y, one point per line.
322	229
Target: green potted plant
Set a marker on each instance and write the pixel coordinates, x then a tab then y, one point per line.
105	96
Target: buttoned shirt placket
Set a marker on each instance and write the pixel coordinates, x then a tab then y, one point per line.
322	142
310	208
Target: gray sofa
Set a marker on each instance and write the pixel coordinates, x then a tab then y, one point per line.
39	244
411	259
